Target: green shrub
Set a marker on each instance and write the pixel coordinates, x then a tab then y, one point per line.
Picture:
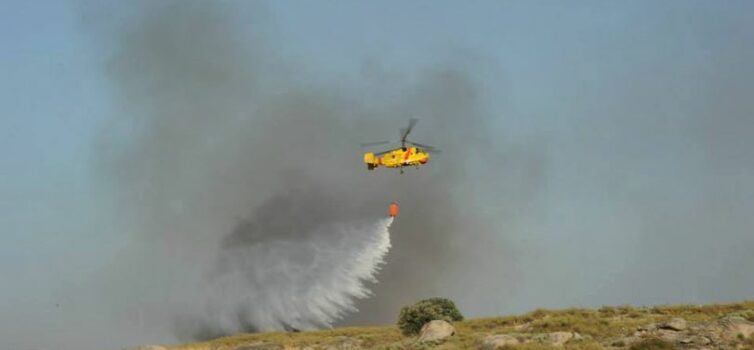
653	344
746	314
412	318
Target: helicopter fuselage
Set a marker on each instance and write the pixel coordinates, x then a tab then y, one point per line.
397	158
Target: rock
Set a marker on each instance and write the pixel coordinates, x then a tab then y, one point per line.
436	330
150	347
498	341
560	338
696	340
676	324
554	338
668	335
736	325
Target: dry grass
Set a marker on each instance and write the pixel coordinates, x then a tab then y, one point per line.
653	344
369	336
596	324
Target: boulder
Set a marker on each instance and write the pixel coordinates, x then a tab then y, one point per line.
559	338
676	324
695	340
498	341
436	330
669	335
736	325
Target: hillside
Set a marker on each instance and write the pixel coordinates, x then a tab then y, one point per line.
719	326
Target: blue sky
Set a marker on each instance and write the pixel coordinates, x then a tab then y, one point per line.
51	103
644	109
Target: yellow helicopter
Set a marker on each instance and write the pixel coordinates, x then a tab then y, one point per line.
414	155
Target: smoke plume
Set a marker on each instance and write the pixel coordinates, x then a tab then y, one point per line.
233	161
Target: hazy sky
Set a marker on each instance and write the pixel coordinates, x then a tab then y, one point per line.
642	113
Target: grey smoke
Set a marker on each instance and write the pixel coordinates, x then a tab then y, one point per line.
607	162
220	144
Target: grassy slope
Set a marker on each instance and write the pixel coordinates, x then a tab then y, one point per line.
600	325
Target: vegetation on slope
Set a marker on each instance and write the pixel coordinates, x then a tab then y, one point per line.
603	328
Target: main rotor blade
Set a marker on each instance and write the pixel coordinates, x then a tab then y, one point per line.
427	148
404	132
420	145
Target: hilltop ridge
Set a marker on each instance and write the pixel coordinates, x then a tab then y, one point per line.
715	326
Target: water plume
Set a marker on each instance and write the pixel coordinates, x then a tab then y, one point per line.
300	284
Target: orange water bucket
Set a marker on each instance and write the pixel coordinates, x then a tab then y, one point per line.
394	209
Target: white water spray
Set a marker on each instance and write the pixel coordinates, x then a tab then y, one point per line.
305	283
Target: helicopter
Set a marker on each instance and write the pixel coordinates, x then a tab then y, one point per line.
416	154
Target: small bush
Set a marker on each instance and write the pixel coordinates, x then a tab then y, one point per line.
653	344
746	314
412	318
